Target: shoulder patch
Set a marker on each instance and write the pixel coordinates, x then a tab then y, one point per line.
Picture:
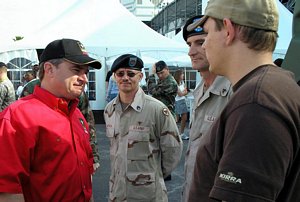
165	111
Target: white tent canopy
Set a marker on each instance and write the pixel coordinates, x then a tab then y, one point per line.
105	27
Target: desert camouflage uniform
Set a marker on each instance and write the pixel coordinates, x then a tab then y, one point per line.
85	109
164	90
145	147
207	106
7	94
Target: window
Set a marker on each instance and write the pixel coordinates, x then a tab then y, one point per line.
17	68
91	85
190	77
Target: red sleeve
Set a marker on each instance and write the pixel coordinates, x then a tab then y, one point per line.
13	157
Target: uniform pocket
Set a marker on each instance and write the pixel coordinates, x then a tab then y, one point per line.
141	186
138	144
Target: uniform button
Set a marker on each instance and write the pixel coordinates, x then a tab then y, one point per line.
81	163
83	186
58	139
138	107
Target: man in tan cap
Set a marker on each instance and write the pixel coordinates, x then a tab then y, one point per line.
252	150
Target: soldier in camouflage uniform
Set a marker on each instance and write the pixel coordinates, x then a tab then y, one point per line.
87	112
145	145
7	91
165	89
85	109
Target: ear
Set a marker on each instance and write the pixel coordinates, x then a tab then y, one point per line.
48	69
230	30
141	75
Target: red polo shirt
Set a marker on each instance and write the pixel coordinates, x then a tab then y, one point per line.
44	149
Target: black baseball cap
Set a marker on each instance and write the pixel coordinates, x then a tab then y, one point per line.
196	31
70	50
127	61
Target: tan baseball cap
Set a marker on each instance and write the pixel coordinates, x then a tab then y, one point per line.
260	14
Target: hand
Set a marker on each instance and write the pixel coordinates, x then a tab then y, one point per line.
96	166
185	91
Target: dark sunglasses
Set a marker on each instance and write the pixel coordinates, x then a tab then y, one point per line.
129	74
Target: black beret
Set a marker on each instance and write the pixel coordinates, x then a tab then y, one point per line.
197	31
160	65
127	61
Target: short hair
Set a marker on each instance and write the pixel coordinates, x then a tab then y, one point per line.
3	67
257	39
278	62
55	62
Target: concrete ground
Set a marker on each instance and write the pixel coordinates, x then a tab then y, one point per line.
101	178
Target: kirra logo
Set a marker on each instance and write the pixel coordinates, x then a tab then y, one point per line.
230	178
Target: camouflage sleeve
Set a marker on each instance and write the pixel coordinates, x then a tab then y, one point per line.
151	83
161	88
87	112
170	142
3	92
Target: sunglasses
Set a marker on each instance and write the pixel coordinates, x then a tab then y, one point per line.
128	73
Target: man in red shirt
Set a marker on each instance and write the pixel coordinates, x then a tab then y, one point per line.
45	153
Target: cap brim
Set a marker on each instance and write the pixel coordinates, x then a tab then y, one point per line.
84	60
197	23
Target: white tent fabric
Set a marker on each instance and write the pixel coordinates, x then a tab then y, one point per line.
105	27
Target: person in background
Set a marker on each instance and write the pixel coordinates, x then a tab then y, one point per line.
145	144
45	154
87	112
20	87
165	90
181	108
108	75
210	97
112	89
35	69
278	62
7	90
29	75
251	152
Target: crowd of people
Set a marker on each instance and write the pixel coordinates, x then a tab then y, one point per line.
243	138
